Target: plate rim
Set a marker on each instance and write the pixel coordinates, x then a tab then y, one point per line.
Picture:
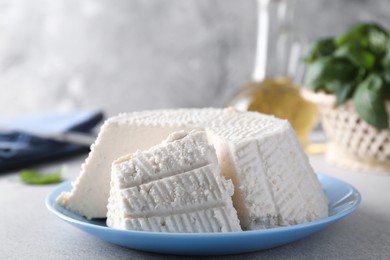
338	215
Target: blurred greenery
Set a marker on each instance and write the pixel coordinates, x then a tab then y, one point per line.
355	65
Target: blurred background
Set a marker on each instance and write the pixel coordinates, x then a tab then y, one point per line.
127	55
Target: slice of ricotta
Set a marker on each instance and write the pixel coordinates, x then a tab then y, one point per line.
175	186
274	182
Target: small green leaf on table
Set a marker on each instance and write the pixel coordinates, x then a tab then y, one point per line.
37	177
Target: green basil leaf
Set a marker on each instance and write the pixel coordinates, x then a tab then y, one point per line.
378	39
327	73
35	177
386	60
359	56
366	35
343	91
357	34
321	48
386	78
313	76
387	91
369	101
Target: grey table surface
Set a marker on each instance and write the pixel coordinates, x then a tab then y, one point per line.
29	231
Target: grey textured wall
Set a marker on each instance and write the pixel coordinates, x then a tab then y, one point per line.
126	55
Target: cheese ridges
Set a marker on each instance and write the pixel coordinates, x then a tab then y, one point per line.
173	187
274	183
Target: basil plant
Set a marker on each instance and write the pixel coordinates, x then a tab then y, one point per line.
356	66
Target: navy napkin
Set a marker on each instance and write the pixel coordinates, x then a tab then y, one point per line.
19	148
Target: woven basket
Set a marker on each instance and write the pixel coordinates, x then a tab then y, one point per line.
352	143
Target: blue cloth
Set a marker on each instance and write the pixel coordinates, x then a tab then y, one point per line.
19	149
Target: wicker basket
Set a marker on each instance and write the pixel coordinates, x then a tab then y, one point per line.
352	143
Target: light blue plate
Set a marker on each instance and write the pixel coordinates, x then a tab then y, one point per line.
343	199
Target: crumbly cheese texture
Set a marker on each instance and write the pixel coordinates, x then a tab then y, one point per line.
273	180
175	186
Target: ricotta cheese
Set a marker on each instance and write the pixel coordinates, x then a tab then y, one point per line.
273	180
173	187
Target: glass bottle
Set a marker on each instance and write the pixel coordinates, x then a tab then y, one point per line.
273	88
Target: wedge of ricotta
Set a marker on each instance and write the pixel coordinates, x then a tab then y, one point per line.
273	180
175	186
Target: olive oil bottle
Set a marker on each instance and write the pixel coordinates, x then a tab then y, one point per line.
278	96
272	89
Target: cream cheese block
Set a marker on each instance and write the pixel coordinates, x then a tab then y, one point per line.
175	186
273	180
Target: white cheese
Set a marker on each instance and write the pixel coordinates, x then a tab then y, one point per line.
173	187
274	183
